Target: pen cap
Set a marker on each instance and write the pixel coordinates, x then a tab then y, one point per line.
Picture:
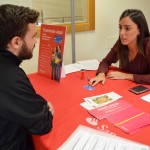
82	74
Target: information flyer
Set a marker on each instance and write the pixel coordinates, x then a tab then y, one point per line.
51	49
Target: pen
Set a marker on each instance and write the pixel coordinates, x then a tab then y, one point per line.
88	78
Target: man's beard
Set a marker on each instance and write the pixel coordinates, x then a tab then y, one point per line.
25	52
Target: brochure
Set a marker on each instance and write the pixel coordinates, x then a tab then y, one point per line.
103	99
51	49
109	109
130	120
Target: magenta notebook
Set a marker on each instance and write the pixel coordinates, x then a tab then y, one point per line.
130	120
109	109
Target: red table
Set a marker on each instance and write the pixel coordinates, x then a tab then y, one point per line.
66	97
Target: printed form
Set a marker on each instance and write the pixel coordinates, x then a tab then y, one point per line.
85	138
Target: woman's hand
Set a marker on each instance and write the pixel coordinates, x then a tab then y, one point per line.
120	75
99	78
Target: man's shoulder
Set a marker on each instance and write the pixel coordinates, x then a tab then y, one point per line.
11	73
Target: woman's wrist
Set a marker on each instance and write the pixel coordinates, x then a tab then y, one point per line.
101	74
129	77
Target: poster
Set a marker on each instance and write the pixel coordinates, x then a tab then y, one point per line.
51	49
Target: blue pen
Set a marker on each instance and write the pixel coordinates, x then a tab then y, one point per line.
88	78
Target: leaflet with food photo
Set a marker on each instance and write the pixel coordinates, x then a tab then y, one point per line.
103	99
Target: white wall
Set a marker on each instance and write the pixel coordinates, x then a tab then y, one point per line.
92	44
27	3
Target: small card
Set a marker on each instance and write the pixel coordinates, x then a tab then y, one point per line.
88	87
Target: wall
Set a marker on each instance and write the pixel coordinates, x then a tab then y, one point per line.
17	2
96	44
53	8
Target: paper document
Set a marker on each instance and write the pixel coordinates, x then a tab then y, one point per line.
146	98
85	64
103	99
90	64
85	138
73	68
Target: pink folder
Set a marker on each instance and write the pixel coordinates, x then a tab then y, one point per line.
109	109
130	120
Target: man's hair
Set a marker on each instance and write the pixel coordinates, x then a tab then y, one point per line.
14	21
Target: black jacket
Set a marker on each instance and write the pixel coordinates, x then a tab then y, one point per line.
22	111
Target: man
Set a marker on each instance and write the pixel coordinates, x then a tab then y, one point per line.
22	111
59	63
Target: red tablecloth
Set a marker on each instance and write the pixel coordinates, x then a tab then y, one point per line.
66	97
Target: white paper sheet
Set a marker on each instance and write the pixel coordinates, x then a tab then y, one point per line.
89	100
146	98
90	64
84	64
73	68
85	138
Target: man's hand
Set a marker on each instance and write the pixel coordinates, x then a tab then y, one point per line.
51	108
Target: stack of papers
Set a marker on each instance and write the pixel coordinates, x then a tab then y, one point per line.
100	100
85	64
84	138
73	68
90	64
117	111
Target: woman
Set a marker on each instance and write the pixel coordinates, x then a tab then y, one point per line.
132	50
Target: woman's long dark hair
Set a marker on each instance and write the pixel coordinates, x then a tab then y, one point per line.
139	19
